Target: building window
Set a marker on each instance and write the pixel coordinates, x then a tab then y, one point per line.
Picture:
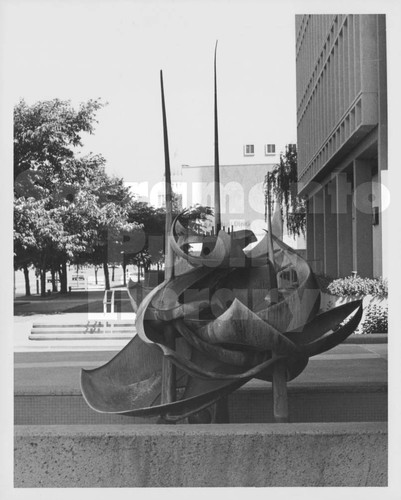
161	201
270	149
249	150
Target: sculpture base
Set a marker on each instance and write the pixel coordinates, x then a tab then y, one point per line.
225	455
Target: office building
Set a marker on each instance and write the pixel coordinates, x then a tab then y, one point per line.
342	141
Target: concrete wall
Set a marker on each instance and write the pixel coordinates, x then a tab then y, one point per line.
351	454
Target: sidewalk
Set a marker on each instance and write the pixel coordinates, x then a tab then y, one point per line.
74	302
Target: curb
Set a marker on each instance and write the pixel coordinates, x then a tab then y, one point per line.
367	338
372	338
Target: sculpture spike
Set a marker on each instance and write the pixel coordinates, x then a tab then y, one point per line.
169	256
168	392
217	210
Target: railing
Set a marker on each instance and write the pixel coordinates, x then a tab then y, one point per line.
109	316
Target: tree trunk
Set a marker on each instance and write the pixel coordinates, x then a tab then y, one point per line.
124	274
139	272
96	275
27	284
63	277
54	284
106	276
112	273
43	282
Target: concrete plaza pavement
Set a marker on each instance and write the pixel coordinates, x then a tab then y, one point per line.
52	367
59	370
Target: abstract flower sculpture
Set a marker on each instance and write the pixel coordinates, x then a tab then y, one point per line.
230	322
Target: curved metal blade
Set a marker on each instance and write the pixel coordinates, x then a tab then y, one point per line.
322	323
330	340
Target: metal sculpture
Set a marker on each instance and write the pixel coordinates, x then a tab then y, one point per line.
208	330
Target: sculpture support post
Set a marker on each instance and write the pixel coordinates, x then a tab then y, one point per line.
168	371
280	396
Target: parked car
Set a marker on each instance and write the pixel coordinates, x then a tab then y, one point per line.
78	277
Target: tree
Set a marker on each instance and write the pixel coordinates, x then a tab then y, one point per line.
148	242
47	176
66	207
283	183
46	133
107	222
24	242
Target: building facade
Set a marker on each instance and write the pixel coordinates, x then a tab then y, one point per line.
242	196
242	190
241	193
342	141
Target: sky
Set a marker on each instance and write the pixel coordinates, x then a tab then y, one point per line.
79	50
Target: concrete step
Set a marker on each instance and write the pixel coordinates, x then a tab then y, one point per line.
115	335
82	328
96	330
89	324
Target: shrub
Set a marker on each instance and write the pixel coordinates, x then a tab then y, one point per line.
355	285
375	320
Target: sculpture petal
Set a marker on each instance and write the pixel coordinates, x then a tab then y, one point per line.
230	356
331	339
114	386
238	325
322	323
215	258
301	304
104	395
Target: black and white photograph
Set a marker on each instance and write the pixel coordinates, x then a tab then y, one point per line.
202	248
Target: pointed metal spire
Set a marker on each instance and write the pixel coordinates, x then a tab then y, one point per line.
168	389
217	210
169	256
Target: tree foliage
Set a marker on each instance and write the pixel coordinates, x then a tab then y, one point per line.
283	183
66	206
148	243
46	133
